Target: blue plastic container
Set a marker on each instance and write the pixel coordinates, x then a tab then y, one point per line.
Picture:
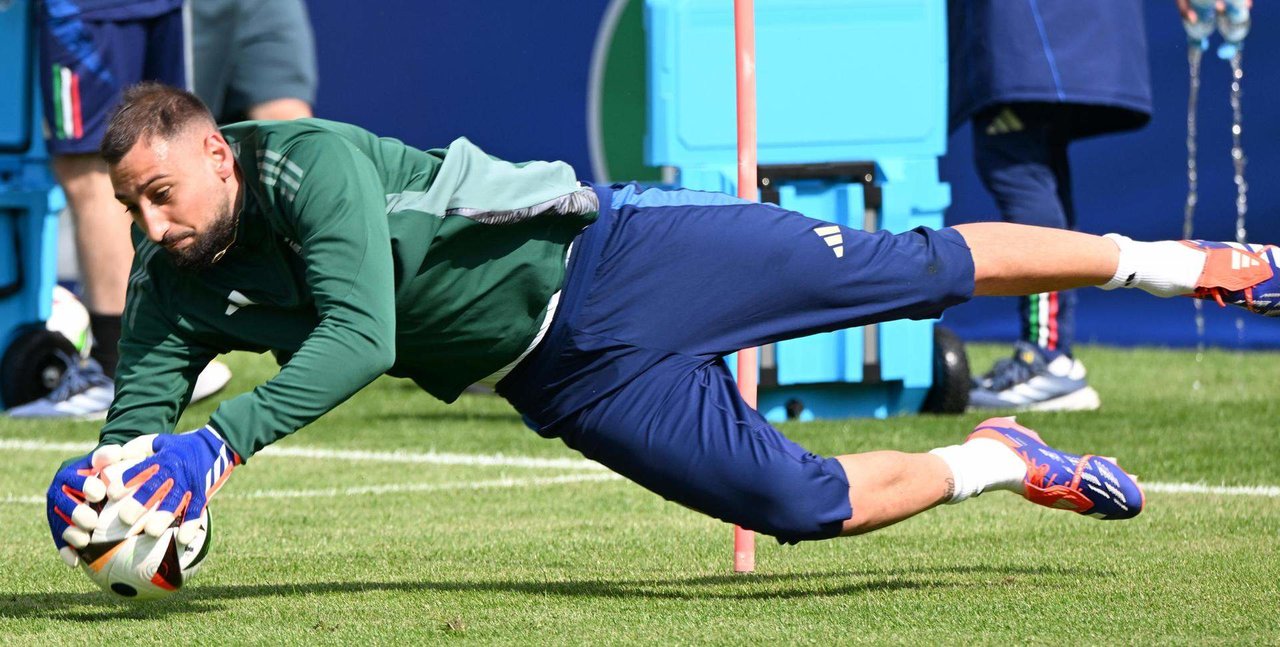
29	200
852	98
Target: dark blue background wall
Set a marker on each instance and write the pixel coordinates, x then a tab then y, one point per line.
513	77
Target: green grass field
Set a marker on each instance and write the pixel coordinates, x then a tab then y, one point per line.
399	544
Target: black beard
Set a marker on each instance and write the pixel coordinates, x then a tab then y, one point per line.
206	250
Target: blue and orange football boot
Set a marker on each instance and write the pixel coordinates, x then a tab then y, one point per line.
1241	275
1089	485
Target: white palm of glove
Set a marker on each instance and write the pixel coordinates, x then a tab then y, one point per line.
173	480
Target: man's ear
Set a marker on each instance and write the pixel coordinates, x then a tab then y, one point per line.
219	152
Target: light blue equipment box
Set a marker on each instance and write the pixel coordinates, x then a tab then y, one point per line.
29	201
852	100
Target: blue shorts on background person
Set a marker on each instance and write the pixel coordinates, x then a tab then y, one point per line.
1033	76
91	50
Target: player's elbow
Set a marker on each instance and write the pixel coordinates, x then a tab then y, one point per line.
380	357
387	358
375	350
371	362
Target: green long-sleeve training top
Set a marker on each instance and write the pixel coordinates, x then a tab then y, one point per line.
354	255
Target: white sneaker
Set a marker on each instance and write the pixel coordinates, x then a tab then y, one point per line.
1028	381
211	380
84	393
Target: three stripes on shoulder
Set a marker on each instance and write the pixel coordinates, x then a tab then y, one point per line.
835	240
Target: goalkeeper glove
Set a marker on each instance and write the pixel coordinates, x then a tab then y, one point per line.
77	484
178	475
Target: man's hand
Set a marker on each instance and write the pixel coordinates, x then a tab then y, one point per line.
175	480
71	520
1189	13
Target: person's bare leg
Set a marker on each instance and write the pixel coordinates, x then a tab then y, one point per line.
103	244
886	487
280	110
1014	260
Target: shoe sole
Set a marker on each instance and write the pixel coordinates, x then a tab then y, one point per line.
1085	399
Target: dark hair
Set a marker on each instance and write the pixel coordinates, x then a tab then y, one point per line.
151	110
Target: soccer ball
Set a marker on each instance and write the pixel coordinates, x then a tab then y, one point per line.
69	318
127	563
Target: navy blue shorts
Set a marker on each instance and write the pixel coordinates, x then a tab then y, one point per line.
85	66
660	289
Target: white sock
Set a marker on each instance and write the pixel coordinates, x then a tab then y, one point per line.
982	464
1166	268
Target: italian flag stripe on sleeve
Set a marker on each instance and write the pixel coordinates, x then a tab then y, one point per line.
57	101
1042	317
66	103
77	124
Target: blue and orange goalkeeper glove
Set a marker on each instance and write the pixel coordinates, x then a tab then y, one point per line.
76	485
177	476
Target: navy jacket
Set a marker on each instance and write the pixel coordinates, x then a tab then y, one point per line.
1083	52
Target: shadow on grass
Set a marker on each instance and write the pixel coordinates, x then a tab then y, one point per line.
95	607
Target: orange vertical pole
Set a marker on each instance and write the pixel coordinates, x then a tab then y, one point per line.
744	541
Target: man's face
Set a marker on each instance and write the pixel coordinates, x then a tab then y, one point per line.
180	192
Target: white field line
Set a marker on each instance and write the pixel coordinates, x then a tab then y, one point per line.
24	500
430	458
393	488
499	460
399	488
1200	488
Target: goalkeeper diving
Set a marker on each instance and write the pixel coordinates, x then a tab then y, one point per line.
601	313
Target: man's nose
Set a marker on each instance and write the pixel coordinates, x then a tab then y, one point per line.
154	224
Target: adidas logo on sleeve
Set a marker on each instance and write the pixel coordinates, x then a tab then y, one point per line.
833	237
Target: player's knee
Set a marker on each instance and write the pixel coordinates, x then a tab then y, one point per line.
808	503
794	521
943	269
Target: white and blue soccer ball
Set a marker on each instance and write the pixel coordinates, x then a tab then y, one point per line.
69	318
129	564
